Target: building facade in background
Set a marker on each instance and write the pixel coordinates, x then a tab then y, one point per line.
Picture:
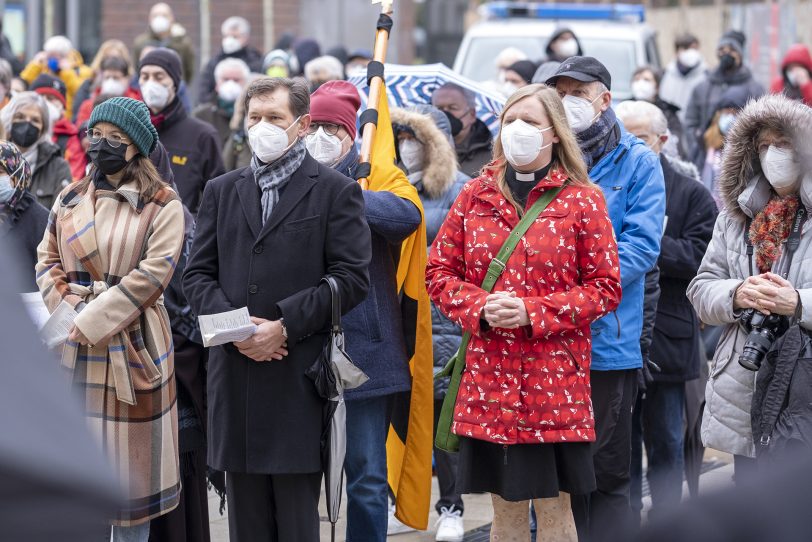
28	23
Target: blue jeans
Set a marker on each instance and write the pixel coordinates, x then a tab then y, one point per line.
365	467
663	427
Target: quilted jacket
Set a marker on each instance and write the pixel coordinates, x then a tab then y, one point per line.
528	385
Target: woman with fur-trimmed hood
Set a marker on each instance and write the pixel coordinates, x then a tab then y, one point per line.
426	151
765	185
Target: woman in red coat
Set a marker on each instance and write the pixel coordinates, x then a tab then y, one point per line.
524	408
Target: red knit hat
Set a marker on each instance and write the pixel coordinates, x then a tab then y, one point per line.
336	102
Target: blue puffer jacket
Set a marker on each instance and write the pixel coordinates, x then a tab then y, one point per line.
631	178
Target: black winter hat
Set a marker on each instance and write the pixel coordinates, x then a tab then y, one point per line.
168	60
48	85
735	97
525	69
733	39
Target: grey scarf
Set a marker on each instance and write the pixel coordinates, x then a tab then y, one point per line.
272	177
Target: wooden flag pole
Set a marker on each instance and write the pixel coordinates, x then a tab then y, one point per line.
375	86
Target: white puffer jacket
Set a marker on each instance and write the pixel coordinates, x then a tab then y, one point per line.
745	190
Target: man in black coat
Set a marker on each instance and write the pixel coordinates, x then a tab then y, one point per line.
675	354
236	32
193	146
266	236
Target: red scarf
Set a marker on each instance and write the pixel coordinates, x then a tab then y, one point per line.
770	229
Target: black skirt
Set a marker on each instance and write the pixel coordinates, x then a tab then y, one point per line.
522	472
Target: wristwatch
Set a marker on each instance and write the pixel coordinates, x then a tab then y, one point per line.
284	329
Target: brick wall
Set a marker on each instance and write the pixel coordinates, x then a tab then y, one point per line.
126	19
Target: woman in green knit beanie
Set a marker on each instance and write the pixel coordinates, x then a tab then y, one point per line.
121	139
111	248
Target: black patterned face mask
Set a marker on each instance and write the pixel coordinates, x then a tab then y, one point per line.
108	159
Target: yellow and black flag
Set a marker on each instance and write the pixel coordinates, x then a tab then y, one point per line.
410	441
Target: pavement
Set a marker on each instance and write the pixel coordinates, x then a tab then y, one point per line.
478	511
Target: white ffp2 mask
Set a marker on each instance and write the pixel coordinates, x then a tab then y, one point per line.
780	166
580	114
522	142
411	154
325	148
268	141
156	96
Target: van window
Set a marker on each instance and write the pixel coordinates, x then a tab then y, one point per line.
618	55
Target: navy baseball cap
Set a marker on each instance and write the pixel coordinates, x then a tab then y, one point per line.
583	68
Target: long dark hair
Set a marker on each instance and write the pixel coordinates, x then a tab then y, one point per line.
141	170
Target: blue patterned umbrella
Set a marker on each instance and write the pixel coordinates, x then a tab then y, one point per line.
414	85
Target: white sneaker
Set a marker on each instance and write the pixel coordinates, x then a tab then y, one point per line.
449	526
394	526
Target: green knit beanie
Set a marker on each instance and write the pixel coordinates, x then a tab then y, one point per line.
132	117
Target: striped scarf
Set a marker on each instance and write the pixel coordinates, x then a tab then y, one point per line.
274	176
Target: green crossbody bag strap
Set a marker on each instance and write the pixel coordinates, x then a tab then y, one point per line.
445	439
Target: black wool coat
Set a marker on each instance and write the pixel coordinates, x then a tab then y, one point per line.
265	417
691	214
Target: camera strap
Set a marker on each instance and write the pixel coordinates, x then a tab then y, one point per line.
792	244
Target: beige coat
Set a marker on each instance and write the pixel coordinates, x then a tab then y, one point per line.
110	255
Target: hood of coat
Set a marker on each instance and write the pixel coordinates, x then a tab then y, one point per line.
743	187
797	54
440	159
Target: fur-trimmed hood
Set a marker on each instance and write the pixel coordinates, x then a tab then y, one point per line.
742	185
439	156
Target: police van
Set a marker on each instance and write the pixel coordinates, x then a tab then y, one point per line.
615	34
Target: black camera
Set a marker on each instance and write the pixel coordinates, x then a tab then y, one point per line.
763	330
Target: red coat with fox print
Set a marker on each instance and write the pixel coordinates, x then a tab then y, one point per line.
528	385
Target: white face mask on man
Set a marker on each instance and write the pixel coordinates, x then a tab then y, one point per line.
54	112
644	90
522	142
780	166
566	48
411	154
580	114
113	87
229	91
160	24
268	141
689	57
231	45
325	148
156	96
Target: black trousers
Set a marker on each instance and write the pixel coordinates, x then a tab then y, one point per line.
273	507
445	464
606	510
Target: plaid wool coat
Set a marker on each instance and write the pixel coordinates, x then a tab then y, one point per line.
110	254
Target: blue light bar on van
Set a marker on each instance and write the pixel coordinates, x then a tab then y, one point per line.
582	12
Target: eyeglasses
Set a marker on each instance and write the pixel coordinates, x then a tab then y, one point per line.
113	140
329	128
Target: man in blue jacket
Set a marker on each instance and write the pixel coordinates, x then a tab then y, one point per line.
631	178
374	329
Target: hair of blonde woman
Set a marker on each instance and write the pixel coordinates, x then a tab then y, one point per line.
566	154
115	47
713	137
22	101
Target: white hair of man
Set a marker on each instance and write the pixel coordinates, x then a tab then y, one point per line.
324	68
229	63
59	45
642	111
509	56
240	24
